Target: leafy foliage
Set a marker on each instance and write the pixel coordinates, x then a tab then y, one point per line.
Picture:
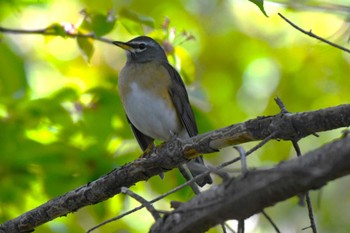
62	123
99	24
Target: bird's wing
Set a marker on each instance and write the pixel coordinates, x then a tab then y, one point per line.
180	100
143	140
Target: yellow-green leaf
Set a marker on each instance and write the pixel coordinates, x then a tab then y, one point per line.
142	19
98	23
86	47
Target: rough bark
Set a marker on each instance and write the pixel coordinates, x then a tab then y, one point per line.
240	198
174	153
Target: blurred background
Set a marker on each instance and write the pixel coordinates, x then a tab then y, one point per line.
62	123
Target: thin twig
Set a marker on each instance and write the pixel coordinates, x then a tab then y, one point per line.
224	175
284	110
311	213
47	32
307	195
243	156
311	34
271	221
230	228
296	148
187	176
223	227
240	226
151	202
314	6
281	105
143	201
260	144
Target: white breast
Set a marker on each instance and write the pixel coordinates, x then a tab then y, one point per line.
150	115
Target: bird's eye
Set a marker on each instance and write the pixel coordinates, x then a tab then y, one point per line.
142	46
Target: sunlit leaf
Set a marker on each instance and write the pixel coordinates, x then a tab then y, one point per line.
260	4
99	24
186	65
33	112
134	22
132	27
102	24
86	47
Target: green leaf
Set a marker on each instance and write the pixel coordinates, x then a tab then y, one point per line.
132	27
104	107
13	81
86	46
65	94
133	22
102	24
260	4
57	29
137	18
99	24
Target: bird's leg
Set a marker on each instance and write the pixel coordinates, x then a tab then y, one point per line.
150	148
173	136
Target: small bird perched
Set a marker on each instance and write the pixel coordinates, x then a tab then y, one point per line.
155	98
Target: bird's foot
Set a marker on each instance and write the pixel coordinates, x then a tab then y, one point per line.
150	148
174	136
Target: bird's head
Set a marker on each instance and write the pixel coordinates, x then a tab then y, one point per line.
142	49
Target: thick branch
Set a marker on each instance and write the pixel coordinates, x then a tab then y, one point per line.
240	198
174	153
283	126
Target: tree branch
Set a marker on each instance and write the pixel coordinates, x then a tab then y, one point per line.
311	34
329	7
240	198
176	152
50	32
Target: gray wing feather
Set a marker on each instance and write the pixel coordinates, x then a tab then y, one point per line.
181	102
180	99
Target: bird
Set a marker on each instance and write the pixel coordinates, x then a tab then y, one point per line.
155	98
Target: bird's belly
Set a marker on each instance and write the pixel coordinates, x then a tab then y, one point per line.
152	115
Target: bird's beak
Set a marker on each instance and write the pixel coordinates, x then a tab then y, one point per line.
122	45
